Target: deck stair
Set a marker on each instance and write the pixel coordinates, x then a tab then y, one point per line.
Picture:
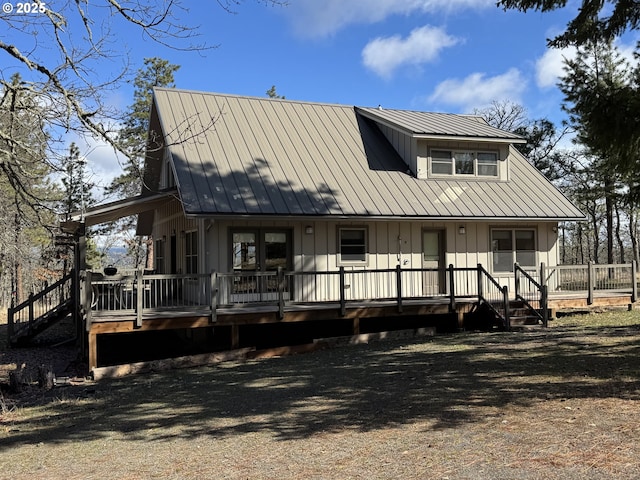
41	311
524	317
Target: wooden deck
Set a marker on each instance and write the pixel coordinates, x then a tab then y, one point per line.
112	322
567	301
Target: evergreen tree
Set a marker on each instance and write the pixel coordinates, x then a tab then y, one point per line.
26	195
133	136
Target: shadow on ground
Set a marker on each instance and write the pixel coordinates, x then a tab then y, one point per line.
445	381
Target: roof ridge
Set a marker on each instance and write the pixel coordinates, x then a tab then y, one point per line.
253	97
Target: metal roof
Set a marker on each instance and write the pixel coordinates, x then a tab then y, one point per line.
438	125
244	156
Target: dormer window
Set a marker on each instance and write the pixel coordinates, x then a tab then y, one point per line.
464	163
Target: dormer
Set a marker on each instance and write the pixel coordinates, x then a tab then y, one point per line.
446	146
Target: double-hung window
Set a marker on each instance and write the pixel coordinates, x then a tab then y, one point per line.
513	245
352	243
191	252
464	163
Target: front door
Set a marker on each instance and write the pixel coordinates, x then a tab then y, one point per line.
433	282
256	253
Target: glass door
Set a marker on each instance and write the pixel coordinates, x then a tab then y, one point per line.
433	259
255	255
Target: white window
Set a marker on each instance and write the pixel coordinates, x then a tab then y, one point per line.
191	252
462	162
352	243
513	245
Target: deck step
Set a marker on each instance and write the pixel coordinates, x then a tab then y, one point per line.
524	320
25	332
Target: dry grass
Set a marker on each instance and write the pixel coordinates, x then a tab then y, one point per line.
557	403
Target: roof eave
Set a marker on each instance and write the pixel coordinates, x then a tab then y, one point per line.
456	138
456	218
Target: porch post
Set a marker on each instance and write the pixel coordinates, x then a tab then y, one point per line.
590	282
452	289
343	306
86	299
507	314
543	274
139	300
544	303
634	282
214	296
480	284
399	286
516	278
280	277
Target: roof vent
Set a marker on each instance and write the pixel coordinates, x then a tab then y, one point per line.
379	107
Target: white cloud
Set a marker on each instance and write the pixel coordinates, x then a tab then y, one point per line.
314	18
549	67
478	91
383	55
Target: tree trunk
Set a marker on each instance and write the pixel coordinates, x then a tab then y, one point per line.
609	207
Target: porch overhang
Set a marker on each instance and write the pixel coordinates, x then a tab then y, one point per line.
109	212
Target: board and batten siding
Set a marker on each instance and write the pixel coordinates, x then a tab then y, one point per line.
390	243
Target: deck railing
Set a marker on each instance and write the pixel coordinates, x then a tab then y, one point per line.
138	292
39	305
592	278
494	295
135	293
532	293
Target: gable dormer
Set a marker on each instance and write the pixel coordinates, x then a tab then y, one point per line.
446	146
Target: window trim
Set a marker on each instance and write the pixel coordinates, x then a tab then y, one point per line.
452	169
514	251
339	260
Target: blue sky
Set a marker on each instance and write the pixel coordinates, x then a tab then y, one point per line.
432	55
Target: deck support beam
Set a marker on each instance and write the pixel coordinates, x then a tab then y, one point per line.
235	336
356	326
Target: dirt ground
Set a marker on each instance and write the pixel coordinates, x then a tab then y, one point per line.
557	403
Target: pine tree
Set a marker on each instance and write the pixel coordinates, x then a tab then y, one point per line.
133	136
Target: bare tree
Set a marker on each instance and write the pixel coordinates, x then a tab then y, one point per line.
59	51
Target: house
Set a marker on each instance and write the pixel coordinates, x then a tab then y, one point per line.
269	211
265	183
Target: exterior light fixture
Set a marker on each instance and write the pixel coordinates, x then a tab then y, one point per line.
461	230
308	230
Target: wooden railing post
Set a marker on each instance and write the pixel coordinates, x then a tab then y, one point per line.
543	274
399	286
30	310
480	283
452	289
343	306
280	293
634	282
86	299
10	329
590	282
544	304
213	282
139	299
516	278
507	315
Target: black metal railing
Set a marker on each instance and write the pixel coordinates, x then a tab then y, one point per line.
494	296
532	294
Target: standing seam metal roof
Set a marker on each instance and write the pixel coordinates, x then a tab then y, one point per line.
258	156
